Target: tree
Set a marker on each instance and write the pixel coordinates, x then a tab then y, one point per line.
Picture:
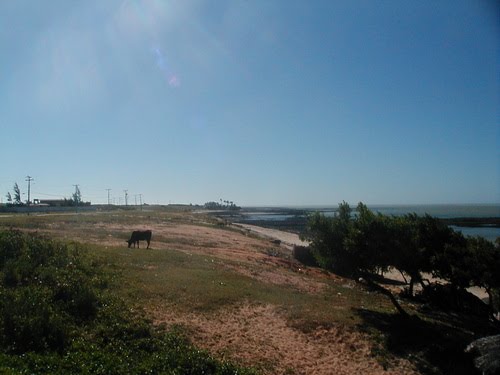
485	266
455	264
369	241
17	194
9	198
352	246
361	245
410	252
77	196
328	239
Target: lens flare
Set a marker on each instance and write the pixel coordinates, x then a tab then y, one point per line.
161	63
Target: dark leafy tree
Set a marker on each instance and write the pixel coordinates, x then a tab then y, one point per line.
17	194
328	237
425	246
365	243
451	259
369	241
406	256
416	242
77	196
9	198
455	264
485	266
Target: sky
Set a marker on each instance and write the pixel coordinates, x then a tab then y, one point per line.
262	102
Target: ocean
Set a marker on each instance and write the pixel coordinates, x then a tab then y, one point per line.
262	215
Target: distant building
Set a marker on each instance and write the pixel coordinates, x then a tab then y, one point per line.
51	202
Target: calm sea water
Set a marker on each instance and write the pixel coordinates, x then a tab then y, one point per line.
440	211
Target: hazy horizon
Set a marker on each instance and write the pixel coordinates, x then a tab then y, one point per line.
264	103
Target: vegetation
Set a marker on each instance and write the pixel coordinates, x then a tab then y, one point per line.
223	205
361	245
58	316
447	318
75	200
195	280
17	196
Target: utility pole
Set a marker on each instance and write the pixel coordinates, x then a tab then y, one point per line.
108	195
126	197
77	196
135	198
29	179
140	197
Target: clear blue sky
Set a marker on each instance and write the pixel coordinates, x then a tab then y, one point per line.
258	102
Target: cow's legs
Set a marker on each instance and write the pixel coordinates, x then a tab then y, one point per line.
148	243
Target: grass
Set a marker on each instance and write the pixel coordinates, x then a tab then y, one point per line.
59	315
192	282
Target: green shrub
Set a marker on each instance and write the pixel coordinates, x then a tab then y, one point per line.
57	317
29	323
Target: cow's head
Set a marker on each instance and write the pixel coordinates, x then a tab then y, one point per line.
129	242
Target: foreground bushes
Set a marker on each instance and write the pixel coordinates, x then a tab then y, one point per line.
57	316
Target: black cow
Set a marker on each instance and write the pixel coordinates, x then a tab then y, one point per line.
139	235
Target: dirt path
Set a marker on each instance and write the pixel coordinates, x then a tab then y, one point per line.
286	238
